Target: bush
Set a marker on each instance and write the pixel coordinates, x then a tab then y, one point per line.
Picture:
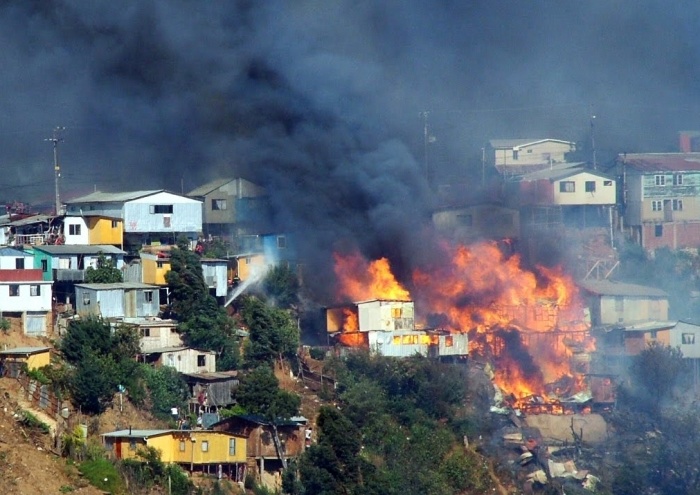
102	474
31	421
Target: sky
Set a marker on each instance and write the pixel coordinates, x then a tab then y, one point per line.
326	103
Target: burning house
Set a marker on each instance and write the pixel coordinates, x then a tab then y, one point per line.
527	326
387	327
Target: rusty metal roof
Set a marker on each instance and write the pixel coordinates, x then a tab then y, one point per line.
660	162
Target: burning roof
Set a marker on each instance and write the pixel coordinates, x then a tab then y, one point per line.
529	323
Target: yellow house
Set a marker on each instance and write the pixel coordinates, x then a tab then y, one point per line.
203	450
92	230
103	230
154	268
33	357
248	265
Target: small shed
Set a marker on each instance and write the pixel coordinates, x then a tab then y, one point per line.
117	300
33	357
210	391
215	272
260	434
183	359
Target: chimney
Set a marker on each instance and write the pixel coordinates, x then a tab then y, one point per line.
689	141
129	430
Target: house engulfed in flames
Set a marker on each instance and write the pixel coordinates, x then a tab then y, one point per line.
528	326
387	327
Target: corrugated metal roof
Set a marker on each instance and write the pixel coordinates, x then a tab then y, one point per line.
25	350
610	288
209	187
136	433
219	375
79	249
661	162
117	285
31	220
649	326
6	251
517	143
162	350
561	171
118	197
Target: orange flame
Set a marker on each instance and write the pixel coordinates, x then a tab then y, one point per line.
361	280
528	322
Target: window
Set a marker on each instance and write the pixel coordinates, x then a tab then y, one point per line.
281	242
161	209
677	205
14	290
465	220
86	299
567	186
218	204
74	230
688	338
657	205
654	334
35	290
19	263
44	266
148	295
145	332
677	179
515	154
160	264
231	446
590	186
449	341
658	230
182	446
205	446
166	221
247	260
115	224
529	150
396	312
202	360
660	180
607	183
619	304
132	444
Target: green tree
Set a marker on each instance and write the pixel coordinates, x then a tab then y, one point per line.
166	389
94	382
203	324
259	394
102	359
188	290
273	332
655	372
281	285
84	335
105	273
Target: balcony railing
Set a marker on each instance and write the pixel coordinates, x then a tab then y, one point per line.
65	275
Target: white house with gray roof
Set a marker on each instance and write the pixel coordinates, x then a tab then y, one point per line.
517	156
147	217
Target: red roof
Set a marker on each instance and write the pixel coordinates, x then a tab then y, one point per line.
661	162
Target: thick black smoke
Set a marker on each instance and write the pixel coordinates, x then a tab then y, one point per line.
322	101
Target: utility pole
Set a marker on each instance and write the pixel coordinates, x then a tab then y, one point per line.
426	138
595	161
55	139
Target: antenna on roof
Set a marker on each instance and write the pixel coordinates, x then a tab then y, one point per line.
55	139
